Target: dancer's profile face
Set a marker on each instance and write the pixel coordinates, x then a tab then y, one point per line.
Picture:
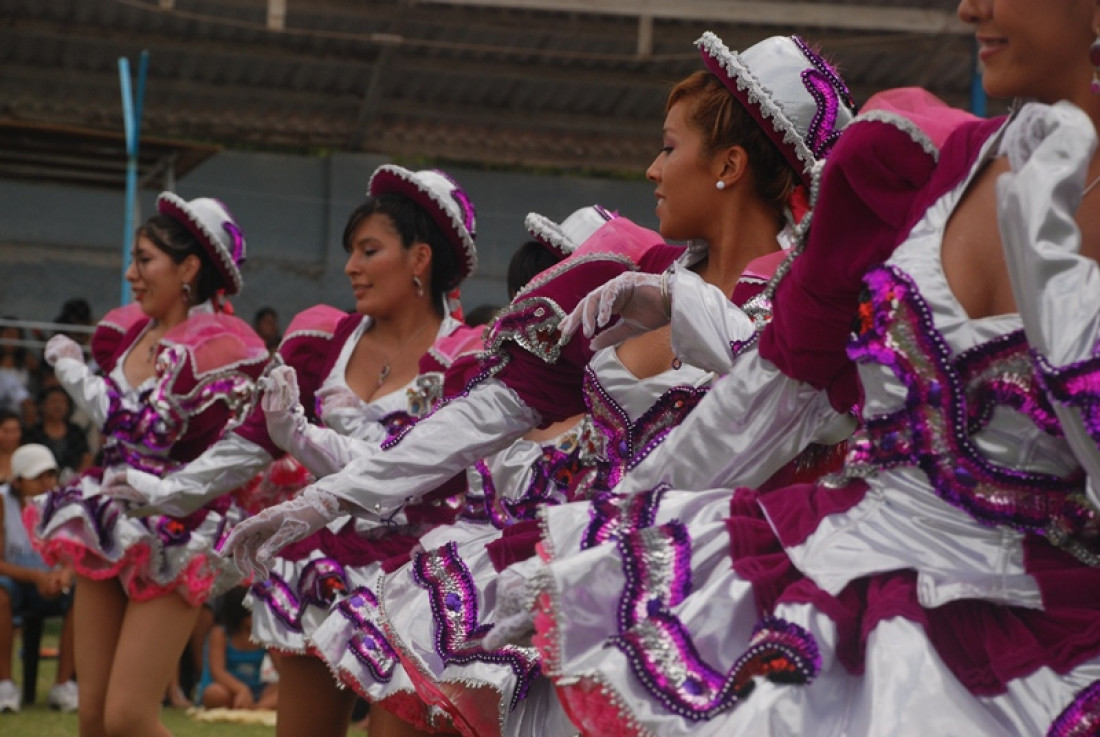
156	281
379	267
684	177
1033	49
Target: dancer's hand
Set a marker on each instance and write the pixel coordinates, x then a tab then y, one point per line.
280	390
641	300
281	405
62	346
256	540
132	485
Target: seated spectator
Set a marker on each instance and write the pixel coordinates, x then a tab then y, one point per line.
16	364
231	676
11	437
55	429
27	584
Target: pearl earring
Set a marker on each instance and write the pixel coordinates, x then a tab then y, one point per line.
719	185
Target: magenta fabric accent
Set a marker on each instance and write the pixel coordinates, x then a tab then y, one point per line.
554	390
985	645
349	547
877	176
118	328
796	511
516	543
308	346
935	118
871	178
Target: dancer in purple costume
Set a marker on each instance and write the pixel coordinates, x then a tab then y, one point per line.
339	380
944	580
438	607
178	371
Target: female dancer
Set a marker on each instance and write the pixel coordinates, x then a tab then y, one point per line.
364	377
634	393
944	581
177	371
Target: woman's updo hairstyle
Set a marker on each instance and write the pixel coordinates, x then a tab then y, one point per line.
724	122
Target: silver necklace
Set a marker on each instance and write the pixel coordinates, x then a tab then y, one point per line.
384	372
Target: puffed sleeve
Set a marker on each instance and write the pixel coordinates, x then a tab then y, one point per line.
797	385
1057	288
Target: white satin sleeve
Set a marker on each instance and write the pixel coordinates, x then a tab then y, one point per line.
1057	289
88	391
229	463
704	322
752	421
322	450
380	480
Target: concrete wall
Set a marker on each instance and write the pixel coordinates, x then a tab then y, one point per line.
57	242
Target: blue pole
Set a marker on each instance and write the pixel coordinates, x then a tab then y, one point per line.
131	120
131	172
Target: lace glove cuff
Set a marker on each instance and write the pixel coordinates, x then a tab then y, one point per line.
256	540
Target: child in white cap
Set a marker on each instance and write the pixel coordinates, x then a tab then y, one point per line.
27	584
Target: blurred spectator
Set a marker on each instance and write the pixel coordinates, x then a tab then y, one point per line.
18	369
231	676
11	437
266	325
481	315
528	261
56	430
27	584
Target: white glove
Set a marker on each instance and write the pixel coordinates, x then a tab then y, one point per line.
518	587
256	540
283	412
62	346
640	299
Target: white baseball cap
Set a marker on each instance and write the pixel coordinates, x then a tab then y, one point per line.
31	460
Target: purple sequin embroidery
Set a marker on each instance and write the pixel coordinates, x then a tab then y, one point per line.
321	581
1082	717
612	515
657	567
627	443
1076	386
278	596
829	91
368	645
895	329
454	602
664	658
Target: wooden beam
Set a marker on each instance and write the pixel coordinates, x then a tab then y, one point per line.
841	16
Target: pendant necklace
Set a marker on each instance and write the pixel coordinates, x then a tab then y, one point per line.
384	372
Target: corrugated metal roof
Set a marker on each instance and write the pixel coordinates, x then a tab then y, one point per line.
500	82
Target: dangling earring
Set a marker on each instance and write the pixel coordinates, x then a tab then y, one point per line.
1094	57
719	185
419	286
186	293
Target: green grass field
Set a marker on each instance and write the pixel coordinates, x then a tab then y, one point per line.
38	720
